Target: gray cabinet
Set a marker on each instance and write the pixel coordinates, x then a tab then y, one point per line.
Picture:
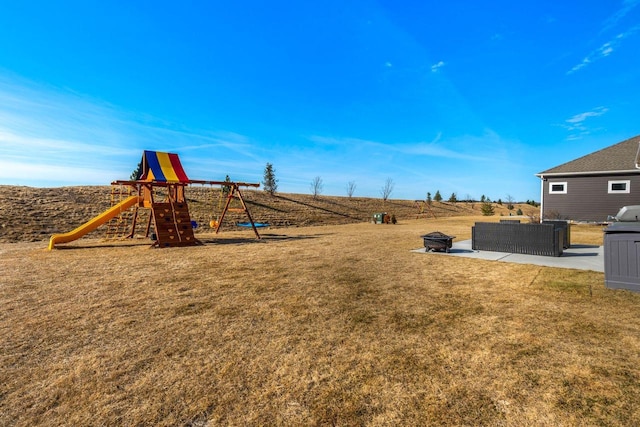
622	256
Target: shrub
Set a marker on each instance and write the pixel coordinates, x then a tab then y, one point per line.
553	214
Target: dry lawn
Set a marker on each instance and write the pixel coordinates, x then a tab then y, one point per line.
334	325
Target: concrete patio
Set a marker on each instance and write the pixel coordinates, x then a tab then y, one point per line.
581	257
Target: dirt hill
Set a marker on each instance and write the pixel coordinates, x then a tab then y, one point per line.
30	214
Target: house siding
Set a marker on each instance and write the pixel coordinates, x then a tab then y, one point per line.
587	197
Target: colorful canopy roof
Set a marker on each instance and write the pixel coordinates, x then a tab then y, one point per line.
163	167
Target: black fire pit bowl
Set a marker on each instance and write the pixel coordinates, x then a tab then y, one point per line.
437	241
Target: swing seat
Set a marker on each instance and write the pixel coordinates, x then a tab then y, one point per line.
248	224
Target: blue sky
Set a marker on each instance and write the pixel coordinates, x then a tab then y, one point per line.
464	97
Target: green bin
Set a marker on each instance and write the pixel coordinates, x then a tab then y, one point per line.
378	217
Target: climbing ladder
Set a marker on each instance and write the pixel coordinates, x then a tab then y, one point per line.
173	224
122	225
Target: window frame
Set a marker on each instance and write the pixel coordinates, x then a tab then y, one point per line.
626	190
564	187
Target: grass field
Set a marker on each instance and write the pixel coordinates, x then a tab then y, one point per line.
333	325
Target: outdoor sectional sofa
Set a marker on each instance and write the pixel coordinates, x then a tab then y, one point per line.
548	238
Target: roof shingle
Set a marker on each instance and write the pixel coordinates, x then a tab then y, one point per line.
618	157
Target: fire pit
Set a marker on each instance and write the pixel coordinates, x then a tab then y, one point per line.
437	241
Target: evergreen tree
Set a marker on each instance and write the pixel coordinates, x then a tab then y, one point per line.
487	209
136	173
453	198
270	182
226	189
437	197
428	198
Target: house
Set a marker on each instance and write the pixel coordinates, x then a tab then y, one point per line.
594	186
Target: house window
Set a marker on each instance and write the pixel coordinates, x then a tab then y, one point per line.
619	187
557	188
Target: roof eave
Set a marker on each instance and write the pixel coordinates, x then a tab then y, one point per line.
617	172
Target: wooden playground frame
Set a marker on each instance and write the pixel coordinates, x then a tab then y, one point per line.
422	206
170	217
175	196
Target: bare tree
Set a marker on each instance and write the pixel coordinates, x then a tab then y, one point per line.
316	187
510	202
351	188
469	200
387	189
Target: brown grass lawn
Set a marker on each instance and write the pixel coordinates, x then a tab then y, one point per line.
331	325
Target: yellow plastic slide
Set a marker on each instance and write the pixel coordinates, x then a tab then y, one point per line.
94	223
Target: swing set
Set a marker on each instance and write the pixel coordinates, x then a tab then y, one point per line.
423	206
230	191
159	186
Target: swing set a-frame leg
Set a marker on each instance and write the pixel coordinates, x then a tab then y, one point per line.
235	192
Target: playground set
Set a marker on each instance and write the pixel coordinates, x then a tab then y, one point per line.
424	209
159	187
